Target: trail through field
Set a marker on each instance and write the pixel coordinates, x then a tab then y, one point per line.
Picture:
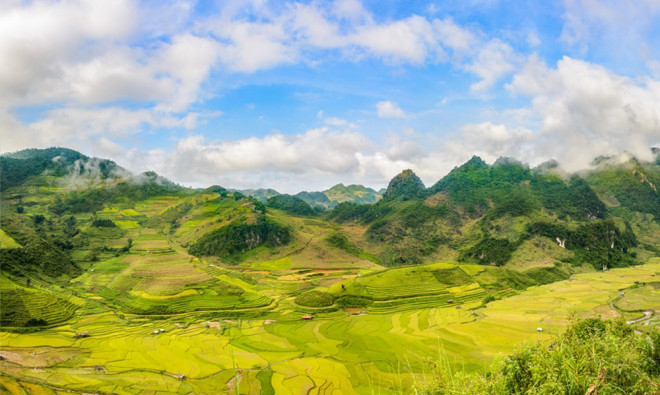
647	316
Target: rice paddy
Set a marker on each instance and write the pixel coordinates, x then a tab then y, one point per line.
157	320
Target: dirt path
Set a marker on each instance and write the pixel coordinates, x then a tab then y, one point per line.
647	315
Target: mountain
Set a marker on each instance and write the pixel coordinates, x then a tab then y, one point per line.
405	186
261	194
17	167
78	210
498	214
291	204
340	193
169	270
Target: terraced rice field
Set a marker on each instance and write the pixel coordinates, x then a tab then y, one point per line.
385	350
154	312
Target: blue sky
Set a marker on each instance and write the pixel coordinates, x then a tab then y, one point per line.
303	95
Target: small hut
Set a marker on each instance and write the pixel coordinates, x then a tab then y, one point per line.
307	317
539	329
180	376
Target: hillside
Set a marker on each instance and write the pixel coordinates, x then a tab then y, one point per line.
327	199
166	280
484	214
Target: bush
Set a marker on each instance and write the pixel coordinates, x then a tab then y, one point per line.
103	223
353	301
315	299
591	356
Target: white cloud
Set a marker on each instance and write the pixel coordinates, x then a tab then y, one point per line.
408	40
613	28
492	62
389	109
586	111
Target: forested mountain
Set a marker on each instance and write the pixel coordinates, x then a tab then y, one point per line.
88	249
505	214
327	199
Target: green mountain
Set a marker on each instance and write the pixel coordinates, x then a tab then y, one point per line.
492	214
340	193
105	271
405	186
17	167
261	194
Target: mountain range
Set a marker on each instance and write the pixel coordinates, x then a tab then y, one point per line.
63	211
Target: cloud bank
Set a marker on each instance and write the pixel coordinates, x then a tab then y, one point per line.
99	76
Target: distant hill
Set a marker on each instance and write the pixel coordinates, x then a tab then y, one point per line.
291	204
17	167
340	193
261	194
329	198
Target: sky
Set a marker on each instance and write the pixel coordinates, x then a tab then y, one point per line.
302	95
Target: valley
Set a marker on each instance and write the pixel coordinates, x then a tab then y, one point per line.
110	285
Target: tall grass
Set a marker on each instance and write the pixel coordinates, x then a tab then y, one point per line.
591	357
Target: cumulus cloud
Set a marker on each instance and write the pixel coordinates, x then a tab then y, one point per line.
87	67
389	109
586	110
493	62
285	161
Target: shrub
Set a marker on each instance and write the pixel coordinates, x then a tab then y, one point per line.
315	299
591	356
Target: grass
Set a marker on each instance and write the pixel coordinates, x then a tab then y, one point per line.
335	351
643	297
7	242
210	310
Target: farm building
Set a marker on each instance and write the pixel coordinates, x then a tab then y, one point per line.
307	317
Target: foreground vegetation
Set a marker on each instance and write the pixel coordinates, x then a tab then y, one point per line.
591	357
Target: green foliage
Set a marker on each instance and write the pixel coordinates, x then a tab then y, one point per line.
340	241
590	357
353	301
171	215
290	204
37	257
547	275
103	223
214	189
314	199
452	277
405	186
349	211
17	167
92	200
238	237
633	184
490	251
262	194
314	299
596	242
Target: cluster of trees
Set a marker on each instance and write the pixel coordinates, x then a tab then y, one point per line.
290	204
238	237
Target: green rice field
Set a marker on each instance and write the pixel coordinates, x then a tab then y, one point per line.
157	320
